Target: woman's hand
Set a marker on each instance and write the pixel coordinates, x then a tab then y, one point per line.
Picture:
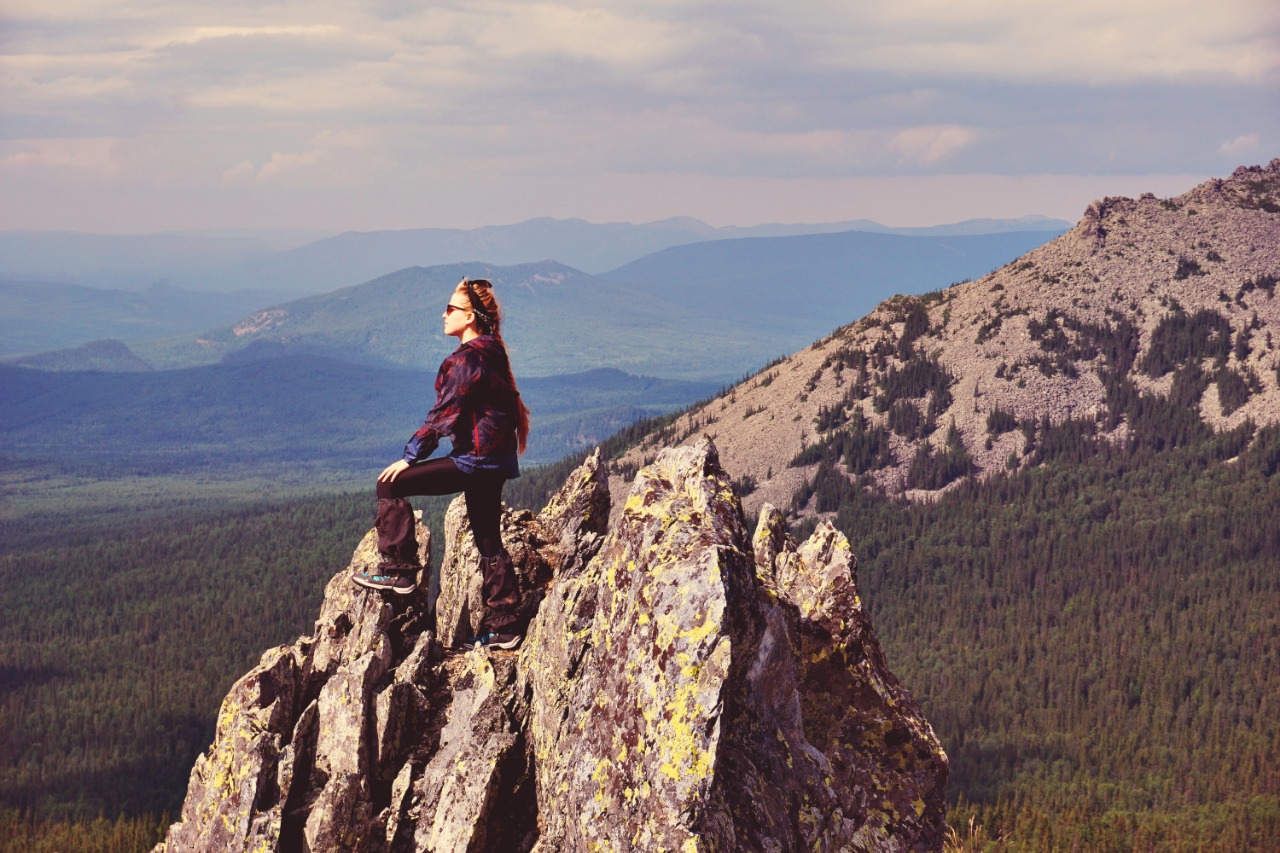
392	471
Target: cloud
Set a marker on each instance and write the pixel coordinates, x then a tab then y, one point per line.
398	97
612	37
1088	41
193	35
285	162
279	163
926	146
95	157
1240	145
240	173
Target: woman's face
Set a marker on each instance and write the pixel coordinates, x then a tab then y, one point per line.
457	315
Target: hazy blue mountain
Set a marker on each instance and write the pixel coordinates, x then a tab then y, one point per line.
104	356
134	261
804	283
974	227
292	407
39	315
969	227
300	262
591	247
360	256
713	310
61	290
560	321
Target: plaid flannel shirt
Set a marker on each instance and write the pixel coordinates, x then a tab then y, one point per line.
475	406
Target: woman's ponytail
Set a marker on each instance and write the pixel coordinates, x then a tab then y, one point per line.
488	314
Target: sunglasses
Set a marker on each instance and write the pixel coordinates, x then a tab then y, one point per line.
450	308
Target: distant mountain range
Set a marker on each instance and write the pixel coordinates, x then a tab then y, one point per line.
303	263
590	247
138	261
288	378
803	283
713	310
36	316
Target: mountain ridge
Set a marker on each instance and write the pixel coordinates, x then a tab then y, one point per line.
39	317
307	263
1146	308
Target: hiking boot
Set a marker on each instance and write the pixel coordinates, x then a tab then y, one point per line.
402	582
396	526
495	641
501	588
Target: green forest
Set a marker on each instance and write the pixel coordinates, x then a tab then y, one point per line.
1097	643
1096	640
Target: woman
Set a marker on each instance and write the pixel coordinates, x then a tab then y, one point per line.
479	408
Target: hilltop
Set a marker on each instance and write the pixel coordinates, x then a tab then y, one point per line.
1150	323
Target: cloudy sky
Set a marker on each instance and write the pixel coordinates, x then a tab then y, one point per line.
145	115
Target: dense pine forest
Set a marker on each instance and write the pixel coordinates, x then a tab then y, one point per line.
118	643
1095	639
1096	642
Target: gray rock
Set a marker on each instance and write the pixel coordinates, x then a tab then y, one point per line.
677	689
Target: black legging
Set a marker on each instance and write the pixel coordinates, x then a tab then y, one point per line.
483	492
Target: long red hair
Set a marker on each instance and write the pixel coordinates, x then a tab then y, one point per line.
489	321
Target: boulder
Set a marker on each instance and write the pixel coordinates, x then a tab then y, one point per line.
880	769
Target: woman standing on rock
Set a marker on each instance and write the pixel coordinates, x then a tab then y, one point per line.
479	408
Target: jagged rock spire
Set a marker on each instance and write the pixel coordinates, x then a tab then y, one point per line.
677	690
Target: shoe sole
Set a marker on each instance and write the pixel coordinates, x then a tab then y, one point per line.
506	646
359	580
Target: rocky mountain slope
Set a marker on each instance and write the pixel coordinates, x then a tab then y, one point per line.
682	687
1150	321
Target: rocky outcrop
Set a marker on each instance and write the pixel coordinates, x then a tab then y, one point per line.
851	705
681	687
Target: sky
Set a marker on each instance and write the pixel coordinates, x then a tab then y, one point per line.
135	116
